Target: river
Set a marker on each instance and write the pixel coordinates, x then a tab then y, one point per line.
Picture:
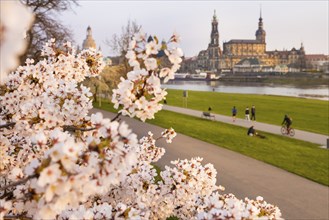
313	92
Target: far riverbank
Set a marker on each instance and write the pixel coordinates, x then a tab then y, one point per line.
302	90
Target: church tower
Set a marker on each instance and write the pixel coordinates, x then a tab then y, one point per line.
260	33
89	42
214	50
214	36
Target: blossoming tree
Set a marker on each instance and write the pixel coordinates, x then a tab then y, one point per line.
59	162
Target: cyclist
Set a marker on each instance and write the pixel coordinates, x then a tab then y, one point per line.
287	121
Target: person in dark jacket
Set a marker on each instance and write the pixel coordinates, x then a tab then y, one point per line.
251	131
287	121
253	113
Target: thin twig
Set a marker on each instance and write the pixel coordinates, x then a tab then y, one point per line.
65	127
16	217
8	125
116	117
18	182
6	194
73	128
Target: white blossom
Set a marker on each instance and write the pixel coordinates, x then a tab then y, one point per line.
69	165
15	20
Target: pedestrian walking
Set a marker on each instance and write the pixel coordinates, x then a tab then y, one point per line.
247	117
234	112
253	113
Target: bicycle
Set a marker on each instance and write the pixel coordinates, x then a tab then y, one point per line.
284	131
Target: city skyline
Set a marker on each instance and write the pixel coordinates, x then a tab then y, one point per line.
287	23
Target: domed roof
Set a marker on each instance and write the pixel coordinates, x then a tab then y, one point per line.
89	42
260	32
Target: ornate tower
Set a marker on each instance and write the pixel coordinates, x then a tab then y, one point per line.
260	33
214	36
213	50
89	42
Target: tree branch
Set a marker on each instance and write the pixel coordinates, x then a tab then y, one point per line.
116	117
65	127
73	128
16	217
10	124
18	182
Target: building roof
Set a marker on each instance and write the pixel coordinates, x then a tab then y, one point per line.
194	58
316	56
285	52
238	41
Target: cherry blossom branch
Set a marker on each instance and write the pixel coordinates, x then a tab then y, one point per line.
65	127
73	128
18	182
16	217
7	194
116	117
10	124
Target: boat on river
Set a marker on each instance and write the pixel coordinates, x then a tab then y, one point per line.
199	76
202	76
181	75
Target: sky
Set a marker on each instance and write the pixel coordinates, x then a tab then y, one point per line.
287	23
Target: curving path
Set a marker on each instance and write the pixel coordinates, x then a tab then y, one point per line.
297	197
274	129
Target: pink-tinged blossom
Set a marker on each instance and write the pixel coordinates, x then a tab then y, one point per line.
151	64
81	166
49	175
15	20
152	48
5	207
169	134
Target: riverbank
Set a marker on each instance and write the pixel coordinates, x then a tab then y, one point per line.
320	92
293	78
297	81
307	114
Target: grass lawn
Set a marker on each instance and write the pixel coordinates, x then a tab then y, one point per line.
307	114
299	157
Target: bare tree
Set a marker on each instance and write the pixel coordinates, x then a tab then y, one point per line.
46	25
120	43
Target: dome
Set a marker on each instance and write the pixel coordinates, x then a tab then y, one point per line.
260	32
89	42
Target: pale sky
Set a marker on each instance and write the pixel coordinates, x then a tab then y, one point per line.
287	23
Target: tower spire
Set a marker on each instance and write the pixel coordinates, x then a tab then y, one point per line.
260	33
214	36
215	16
260	13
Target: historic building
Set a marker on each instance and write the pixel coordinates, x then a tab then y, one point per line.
238	54
317	62
210	59
89	42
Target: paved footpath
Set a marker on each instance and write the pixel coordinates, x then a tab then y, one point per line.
274	129
297	197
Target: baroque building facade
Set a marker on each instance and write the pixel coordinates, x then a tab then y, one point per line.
243	54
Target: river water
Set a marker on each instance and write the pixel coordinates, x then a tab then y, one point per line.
313	92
